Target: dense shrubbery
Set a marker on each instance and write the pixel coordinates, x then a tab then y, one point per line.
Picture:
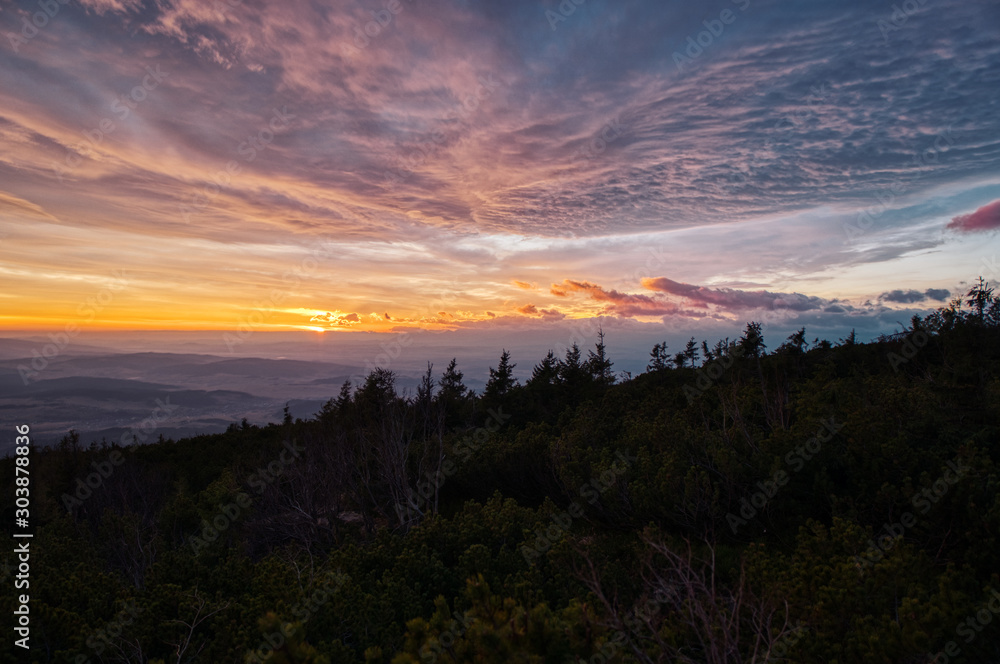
829	504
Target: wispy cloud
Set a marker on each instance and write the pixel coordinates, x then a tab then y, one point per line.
470	142
731	299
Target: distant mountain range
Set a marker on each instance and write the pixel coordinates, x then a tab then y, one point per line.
109	396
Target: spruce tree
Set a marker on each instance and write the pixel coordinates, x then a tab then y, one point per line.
658	358
598	364
501	379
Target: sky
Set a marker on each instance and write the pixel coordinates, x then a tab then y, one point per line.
499	168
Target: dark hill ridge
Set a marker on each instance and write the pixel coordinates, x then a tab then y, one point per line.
12	387
102	396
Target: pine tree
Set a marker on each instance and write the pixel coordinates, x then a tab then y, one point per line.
598	364
572	361
752	341
501	379
659	359
453	395
425	390
424	402
980	297
572	372
344	398
691	352
337	408
543	389
545	372
377	392
723	348
795	343
452	387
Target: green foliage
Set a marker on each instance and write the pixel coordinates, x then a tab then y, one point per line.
870	548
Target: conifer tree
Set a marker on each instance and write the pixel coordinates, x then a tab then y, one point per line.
979	297
691	352
545	372
452	387
501	379
658	358
752	341
598	364
453	395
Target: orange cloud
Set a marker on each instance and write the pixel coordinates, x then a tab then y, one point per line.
619	304
336	319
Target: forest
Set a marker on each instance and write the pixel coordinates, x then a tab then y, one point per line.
815	502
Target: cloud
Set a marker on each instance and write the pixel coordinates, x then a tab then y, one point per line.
336	319
104	6
986	218
768	124
528	310
730	299
586	142
912	296
620	304
905	297
14	206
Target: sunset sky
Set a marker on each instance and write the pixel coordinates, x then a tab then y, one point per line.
373	165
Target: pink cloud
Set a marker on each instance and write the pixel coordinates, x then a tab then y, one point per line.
619	304
598	293
986	218
732	299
